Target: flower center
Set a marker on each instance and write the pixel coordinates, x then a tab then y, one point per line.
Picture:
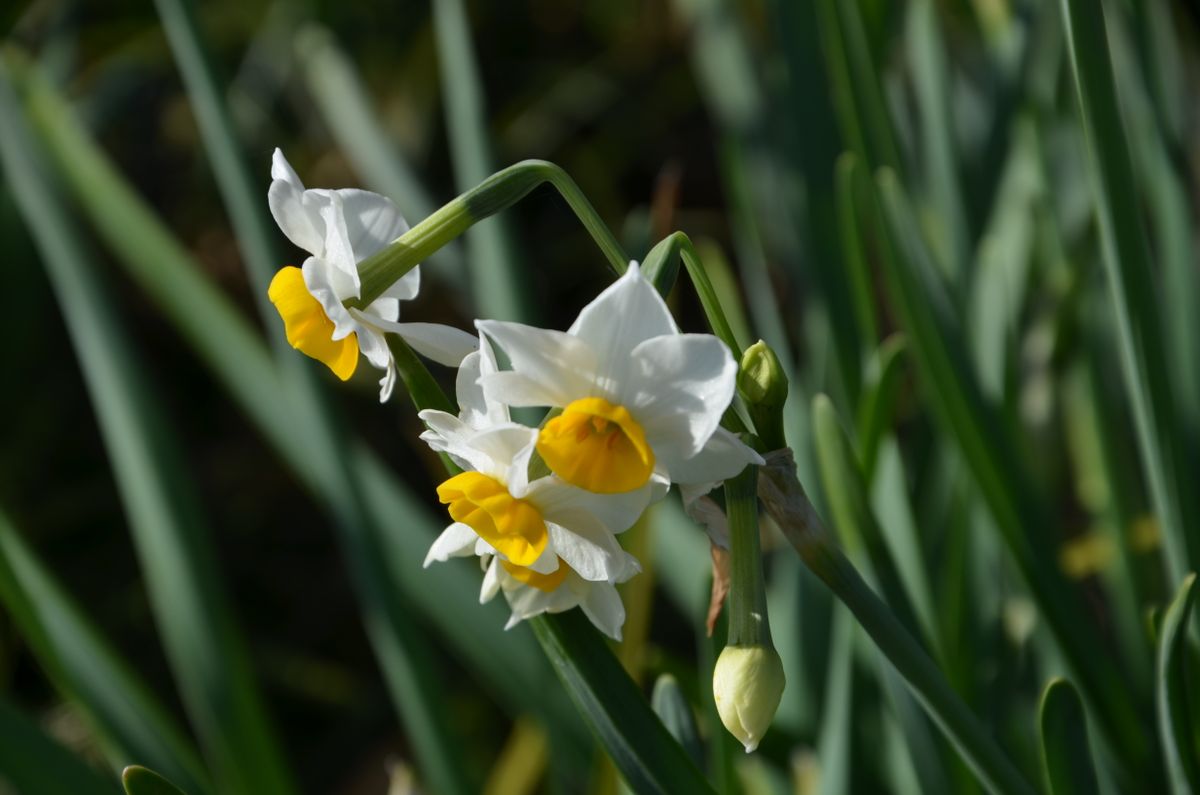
543	582
308	328
514	527
597	446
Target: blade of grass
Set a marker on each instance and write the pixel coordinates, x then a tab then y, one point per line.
934	332
203	643
33	764
398	641
1176	724
1066	759
671	705
498	282
85	670
1130	270
835	741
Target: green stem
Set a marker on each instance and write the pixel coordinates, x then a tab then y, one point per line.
748	624
787	503
498	192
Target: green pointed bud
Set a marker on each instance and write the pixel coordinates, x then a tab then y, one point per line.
763	384
747	686
761	380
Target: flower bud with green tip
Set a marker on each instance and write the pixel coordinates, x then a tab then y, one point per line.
763	384
748	683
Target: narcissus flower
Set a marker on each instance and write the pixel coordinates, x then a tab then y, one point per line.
539	527
339	229
639	400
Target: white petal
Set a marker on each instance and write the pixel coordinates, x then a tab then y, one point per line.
720	459
301	222
457	540
325	283
683	385
502	452
508	388
388	382
491	582
372	222
407	287
588	548
547	562
338	251
562	366
443	344
371	342
629	312
603	607
559	501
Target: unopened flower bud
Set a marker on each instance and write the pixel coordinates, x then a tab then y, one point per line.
763	384
761	380
747	686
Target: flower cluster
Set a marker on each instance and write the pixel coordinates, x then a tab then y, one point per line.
634	406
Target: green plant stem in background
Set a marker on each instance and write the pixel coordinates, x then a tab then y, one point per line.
793	513
498	192
1131	280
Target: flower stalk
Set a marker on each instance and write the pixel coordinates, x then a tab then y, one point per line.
496	193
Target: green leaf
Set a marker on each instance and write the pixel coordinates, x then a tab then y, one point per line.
1066	758
33	764
1127	261
399	642
877	407
672	708
931	77
498	282
1176	724
645	753
934	332
139	780
84	668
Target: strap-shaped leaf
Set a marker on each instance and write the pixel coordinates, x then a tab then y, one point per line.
33	764
86	670
645	753
672	707
1066	757
139	780
1175	722
203	644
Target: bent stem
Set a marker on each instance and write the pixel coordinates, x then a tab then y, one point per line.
498	192
789	506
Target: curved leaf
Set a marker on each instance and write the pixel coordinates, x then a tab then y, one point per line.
1066	759
1175	722
139	780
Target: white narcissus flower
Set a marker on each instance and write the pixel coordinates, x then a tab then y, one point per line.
639	400
552	545
339	229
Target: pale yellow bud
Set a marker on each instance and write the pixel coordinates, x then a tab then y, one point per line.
747	685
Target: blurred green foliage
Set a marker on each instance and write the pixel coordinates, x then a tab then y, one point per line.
965	226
